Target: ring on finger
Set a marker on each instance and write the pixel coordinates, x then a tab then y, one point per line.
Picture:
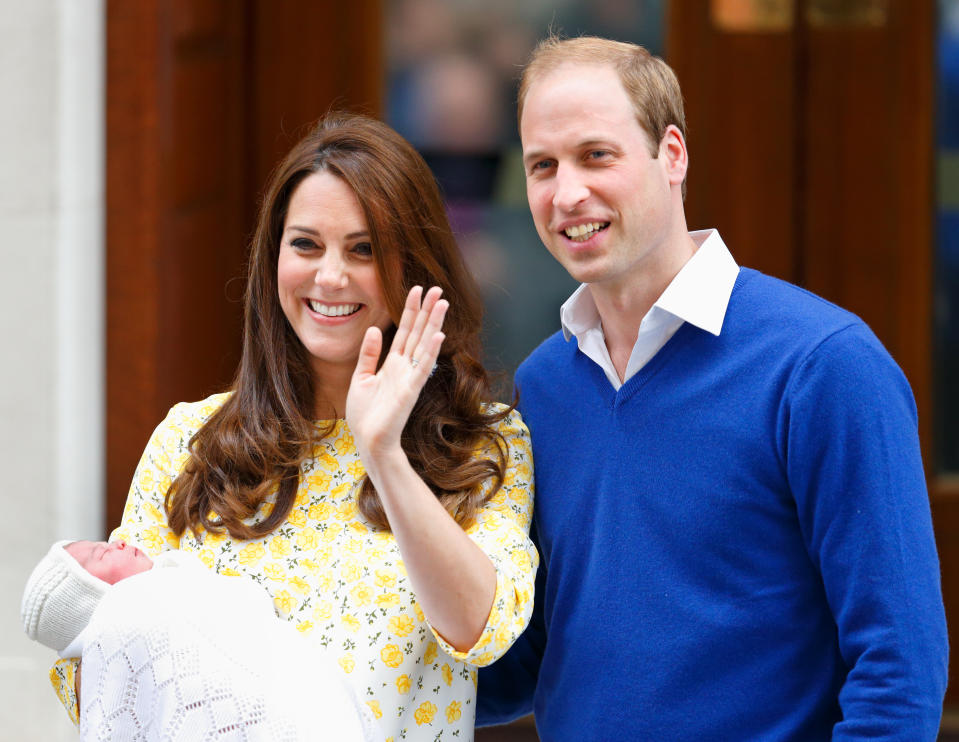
414	362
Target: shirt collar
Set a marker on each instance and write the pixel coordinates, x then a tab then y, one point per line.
698	294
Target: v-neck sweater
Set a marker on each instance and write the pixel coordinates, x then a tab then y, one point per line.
736	544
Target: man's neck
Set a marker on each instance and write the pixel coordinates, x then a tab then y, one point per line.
623	306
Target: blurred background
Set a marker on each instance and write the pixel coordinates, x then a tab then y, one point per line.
135	136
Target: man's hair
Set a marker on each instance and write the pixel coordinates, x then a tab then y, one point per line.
650	83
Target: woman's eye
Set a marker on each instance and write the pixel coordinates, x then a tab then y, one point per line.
302	243
363	248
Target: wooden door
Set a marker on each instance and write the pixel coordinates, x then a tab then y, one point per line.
203	98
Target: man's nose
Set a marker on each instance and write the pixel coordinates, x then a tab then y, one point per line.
571	189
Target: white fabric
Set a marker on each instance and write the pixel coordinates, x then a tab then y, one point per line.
698	294
172	558
184	654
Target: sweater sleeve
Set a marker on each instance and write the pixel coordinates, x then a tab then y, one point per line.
501	529
144	520
851	446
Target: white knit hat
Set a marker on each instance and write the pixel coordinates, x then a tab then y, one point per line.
59	598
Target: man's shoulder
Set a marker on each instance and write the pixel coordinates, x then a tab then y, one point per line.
772	316
777	306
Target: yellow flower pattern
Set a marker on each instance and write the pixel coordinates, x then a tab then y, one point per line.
343	584
402	625
391	655
425	713
347	663
454	711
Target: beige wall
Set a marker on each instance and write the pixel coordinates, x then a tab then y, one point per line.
51	297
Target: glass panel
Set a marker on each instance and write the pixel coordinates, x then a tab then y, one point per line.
947	263
453	68
833	13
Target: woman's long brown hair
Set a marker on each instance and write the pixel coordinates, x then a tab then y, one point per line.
258	439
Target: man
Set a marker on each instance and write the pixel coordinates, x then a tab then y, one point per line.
731	509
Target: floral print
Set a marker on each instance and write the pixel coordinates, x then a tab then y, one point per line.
343	584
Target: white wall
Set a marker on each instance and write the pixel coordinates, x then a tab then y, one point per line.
51	319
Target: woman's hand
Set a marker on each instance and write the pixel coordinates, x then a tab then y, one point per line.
379	402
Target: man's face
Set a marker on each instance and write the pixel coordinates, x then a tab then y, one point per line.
602	204
111	562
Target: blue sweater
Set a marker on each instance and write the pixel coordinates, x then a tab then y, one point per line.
736	545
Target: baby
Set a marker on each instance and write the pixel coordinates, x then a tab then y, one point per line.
68	583
183	653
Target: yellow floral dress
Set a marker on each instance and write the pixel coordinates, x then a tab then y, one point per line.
344	584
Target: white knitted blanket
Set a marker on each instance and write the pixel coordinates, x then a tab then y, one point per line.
184	654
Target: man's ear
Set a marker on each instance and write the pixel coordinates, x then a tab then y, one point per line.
672	148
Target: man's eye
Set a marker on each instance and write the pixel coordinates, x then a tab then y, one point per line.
598	154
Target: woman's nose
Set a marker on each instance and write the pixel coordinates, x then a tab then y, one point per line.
331	273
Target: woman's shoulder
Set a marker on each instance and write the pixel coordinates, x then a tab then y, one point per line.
509	425
191	416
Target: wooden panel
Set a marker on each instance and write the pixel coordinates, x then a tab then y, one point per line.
741	115
945	518
134	228
208	211
337	62
869	198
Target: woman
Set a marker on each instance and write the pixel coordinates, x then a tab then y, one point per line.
396	537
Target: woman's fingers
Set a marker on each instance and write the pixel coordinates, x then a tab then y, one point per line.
369	352
407	319
416	320
427	349
422	318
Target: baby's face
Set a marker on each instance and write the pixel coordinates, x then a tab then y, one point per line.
111	562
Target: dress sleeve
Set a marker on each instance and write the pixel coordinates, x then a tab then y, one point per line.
506	688
849	435
62	677
501	530
144	520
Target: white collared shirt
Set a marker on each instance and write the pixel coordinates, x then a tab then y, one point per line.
699	294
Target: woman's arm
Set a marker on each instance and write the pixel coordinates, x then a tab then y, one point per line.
454	580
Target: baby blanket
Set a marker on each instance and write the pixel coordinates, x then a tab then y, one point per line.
185	654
